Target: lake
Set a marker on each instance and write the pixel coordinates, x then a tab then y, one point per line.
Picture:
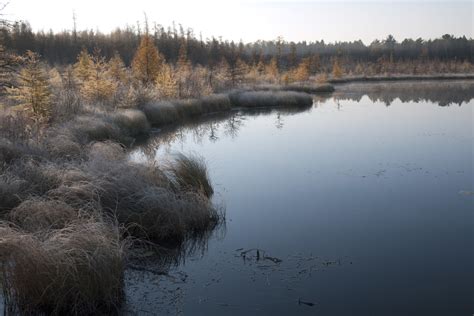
362	204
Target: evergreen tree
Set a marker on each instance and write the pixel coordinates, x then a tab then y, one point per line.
272	69
336	69
82	67
99	87
303	70
238	71
116	68
33	92
147	61
166	82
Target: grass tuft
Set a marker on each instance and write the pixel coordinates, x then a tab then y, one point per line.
190	174
74	270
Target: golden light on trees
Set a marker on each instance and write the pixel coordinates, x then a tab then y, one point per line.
116	68
166	82
147	61
33	92
99	86
82	68
302	72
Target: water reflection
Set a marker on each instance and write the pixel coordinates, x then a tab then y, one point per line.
212	127
440	93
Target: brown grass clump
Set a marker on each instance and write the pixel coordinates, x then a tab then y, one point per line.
190	174
76	270
38	214
11	189
161	216
253	99
132	122
160	113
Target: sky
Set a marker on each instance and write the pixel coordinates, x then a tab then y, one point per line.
260	19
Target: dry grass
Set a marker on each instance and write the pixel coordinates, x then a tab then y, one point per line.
253	99
37	214
75	270
297	87
190	174
188	108
11	189
215	103
169	112
160	113
131	122
86	129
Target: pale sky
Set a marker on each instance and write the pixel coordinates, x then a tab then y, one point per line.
260	19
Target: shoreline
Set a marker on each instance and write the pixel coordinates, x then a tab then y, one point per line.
390	78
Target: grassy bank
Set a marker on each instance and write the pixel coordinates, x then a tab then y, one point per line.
74	208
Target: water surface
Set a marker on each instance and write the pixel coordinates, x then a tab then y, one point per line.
366	198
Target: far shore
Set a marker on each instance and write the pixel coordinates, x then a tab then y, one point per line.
401	78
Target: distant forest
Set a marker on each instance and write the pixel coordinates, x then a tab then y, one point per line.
63	47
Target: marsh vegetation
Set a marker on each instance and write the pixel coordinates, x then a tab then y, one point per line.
77	212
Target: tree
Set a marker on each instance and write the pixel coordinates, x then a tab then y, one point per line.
116	68
183	61
33	91
98	87
223	76
315	64
238	71
272	69
8	60
292	57
82	67
166	82
303	70
147	61
336	69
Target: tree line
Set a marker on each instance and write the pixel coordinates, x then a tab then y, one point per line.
63	47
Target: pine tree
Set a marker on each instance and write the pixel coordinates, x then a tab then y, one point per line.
116	68
147	61
82	67
99	87
315	64
33	92
336	69
272	69
183	61
292	57
166	82
183	71
303	70
238	71
223	75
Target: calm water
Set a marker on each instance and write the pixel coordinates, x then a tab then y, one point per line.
366	198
